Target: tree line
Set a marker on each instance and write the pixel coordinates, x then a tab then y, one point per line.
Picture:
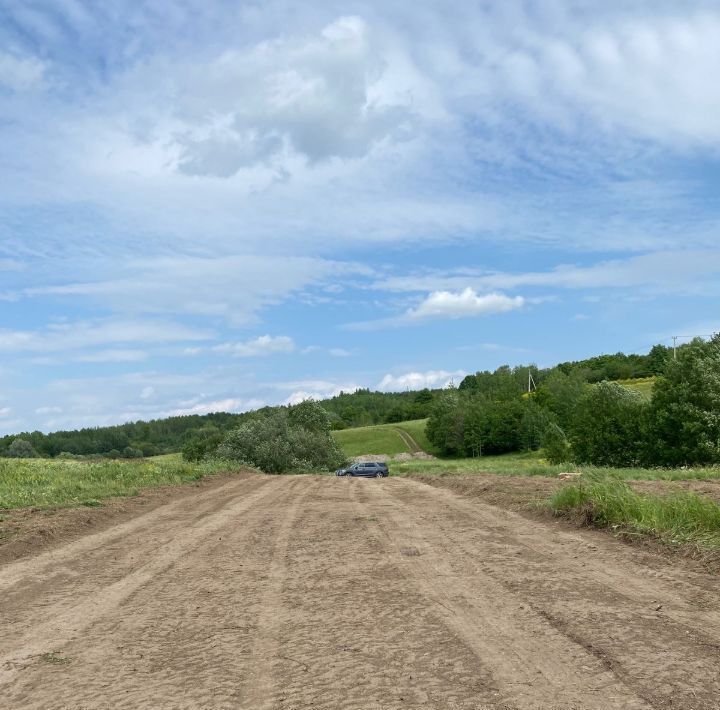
575	417
360	408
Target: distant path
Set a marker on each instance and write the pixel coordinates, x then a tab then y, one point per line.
412	445
325	593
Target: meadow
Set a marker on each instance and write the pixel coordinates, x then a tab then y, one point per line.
45	483
382	439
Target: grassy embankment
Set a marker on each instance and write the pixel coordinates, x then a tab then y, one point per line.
383	439
43	483
607	501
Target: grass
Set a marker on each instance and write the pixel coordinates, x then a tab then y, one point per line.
416	429
608	501
532	463
44	483
643	385
381	439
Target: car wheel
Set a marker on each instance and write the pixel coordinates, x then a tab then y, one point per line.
379	474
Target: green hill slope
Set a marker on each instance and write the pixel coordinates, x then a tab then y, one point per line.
384	439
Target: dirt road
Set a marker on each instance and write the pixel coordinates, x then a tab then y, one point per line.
316	592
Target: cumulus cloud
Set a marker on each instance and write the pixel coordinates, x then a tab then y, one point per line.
466	303
262	345
419	380
315	389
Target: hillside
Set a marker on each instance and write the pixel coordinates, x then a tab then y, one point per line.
384	439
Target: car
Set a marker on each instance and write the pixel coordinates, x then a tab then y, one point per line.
365	469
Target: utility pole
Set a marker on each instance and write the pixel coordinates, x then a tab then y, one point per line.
675	337
531	382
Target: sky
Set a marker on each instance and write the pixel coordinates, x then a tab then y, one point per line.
214	205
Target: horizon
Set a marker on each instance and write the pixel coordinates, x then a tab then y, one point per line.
208	206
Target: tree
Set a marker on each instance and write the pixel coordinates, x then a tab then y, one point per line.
444	429
606	429
21	449
683	422
294	439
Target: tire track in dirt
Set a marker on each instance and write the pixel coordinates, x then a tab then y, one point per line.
533	664
328	593
413	446
656	629
63	621
259	691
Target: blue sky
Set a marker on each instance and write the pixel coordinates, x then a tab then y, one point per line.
211	205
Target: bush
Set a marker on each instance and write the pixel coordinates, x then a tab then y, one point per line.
683	422
606	429
21	449
555	445
202	445
297	439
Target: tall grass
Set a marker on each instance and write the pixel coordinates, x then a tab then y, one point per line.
43	483
608	501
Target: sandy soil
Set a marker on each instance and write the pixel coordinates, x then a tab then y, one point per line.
318	592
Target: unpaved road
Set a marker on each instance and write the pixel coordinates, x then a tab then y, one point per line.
316	592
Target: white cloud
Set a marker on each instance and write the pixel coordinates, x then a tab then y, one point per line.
262	345
419	380
88	334
666	270
220	405
339	352
49	410
315	389
21	73
113	356
147	392
5	411
464	304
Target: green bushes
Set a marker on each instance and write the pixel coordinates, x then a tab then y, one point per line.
607	427
607	501
294	439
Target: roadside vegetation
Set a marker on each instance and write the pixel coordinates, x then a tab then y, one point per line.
43	483
605	500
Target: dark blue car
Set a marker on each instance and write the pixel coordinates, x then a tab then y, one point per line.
365	470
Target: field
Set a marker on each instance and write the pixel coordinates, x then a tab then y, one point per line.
43	483
387	439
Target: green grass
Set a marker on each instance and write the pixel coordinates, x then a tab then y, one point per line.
416	429
44	483
643	385
381	439
532	463
608	501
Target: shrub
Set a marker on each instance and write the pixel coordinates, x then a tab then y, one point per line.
683	422
21	449
606	429
555	445
297	439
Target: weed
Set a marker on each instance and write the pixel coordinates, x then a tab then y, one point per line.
55	658
608	501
